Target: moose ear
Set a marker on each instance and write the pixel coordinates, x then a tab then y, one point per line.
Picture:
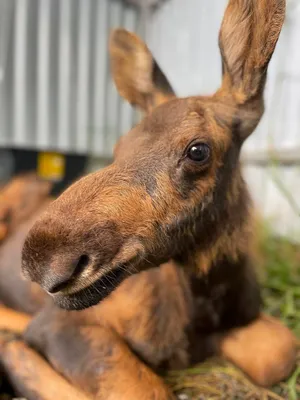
248	36
136	74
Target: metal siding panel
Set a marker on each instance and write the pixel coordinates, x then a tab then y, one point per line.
294	222
64	62
54	49
31	72
184	41
82	98
126	110
115	18
6	24
293	77
19	90
256	177
6	12
277	208
43	81
58	93
100	73
267	186
74	74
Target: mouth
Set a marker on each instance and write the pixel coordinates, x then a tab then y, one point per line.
96	292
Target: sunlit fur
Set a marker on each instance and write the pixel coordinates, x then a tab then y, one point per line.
155	206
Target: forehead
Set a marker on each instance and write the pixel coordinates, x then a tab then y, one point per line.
175	123
170	115
175	117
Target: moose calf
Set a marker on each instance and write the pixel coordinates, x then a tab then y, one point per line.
174	197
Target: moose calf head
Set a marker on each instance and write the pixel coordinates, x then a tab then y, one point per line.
175	184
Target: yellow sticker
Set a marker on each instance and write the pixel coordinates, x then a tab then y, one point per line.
51	166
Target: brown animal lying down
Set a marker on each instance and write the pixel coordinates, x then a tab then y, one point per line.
23	198
173	197
18	199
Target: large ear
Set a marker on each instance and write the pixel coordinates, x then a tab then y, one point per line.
248	37
136	74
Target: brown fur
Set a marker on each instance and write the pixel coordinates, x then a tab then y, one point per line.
18	199
22	365
15	291
152	206
13	320
25	197
148	87
270	341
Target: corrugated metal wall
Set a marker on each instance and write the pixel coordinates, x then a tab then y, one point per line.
55	87
184	39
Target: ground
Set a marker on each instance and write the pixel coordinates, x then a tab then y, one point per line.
279	267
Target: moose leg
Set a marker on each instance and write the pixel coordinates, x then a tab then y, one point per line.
13	320
31	376
265	350
260	345
16	292
96	360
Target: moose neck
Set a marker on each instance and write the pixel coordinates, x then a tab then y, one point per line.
221	230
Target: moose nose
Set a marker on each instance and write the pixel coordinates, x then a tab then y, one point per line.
66	275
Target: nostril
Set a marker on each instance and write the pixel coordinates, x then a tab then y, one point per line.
81	264
62	282
58	287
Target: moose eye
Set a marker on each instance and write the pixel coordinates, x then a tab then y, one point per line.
199	152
